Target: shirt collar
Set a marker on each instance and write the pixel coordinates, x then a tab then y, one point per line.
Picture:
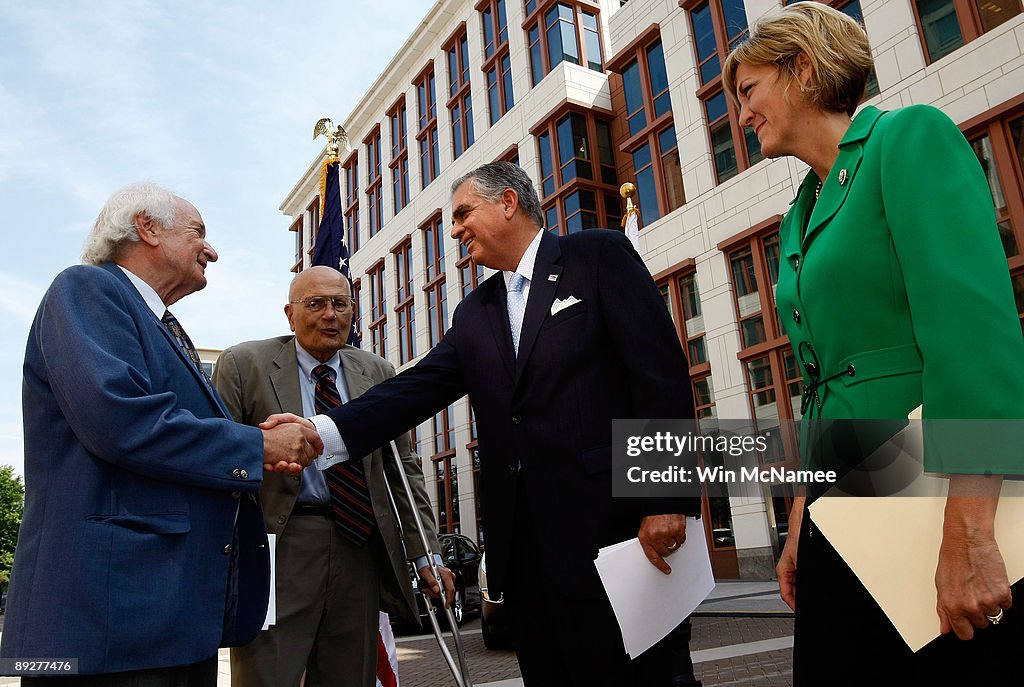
147	292
307	362
526	262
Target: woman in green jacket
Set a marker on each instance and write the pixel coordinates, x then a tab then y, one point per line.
895	293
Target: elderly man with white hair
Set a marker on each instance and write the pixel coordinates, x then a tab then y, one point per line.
142	548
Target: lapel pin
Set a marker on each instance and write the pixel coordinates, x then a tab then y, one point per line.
552	277
842	177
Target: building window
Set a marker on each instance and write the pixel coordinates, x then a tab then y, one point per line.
399	156
314	224
378	310
426	103
997	137
578	180
562	31
718	26
474	452
374	186
357	314
679	289
470	273
945	25
297	228
352	203
652	139
460	97
771	370
497	66
435	288
852	9
446	472
405	307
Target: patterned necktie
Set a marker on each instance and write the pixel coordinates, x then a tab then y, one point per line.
350	499
171	322
516	307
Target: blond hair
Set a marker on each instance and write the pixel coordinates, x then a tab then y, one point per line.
834	43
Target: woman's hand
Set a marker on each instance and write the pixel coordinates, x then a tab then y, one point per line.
786	568
970	580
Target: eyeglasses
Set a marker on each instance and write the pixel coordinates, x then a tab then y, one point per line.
318	303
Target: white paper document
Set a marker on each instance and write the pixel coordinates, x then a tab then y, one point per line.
892	543
272	604
648	603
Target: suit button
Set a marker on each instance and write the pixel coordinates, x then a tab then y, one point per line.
236	473
796	263
281	519
516	419
244	474
228	548
236	494
513	469
796	316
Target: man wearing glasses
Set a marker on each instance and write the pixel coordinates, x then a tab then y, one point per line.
335	561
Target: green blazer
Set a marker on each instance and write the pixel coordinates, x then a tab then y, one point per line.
895	285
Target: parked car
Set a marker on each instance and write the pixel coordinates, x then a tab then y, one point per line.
493	618
462	556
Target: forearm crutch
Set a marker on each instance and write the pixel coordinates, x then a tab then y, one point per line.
460	670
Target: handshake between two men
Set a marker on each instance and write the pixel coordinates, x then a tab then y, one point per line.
290	443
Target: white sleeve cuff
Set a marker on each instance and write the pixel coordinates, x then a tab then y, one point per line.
334	448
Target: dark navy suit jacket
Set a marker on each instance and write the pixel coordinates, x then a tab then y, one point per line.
544	419
129	556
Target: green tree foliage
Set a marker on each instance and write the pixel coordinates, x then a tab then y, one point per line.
12	504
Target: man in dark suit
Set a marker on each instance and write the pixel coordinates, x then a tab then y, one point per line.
142	548
327	625
569	335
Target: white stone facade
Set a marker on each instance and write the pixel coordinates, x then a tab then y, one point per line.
975	78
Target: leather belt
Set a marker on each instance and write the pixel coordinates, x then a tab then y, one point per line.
320	509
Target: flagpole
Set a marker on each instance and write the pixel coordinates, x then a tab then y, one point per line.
631	220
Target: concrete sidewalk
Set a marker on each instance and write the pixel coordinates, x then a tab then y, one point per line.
742	633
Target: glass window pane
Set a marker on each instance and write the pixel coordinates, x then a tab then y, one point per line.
724	151
691	305
536	58
941	29
570	51
703	31
647	195
662	104
754	153
752	330
716	107
983	149
697	351
595	58
634	97
488	26
642	157
656	63
735	19
995	12
506	72
551	218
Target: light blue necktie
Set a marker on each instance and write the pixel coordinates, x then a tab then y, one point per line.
516	307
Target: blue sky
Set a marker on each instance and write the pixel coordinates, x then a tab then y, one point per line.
214	100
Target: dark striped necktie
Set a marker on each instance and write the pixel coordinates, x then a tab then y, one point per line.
172	324
350	498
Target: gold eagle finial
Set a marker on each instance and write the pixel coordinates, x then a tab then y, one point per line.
337	138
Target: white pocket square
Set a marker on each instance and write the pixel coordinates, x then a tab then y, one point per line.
561	304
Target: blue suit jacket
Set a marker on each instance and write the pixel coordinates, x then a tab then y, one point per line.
545	418
129	556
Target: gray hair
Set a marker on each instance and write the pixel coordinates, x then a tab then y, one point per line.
490	181
115	225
